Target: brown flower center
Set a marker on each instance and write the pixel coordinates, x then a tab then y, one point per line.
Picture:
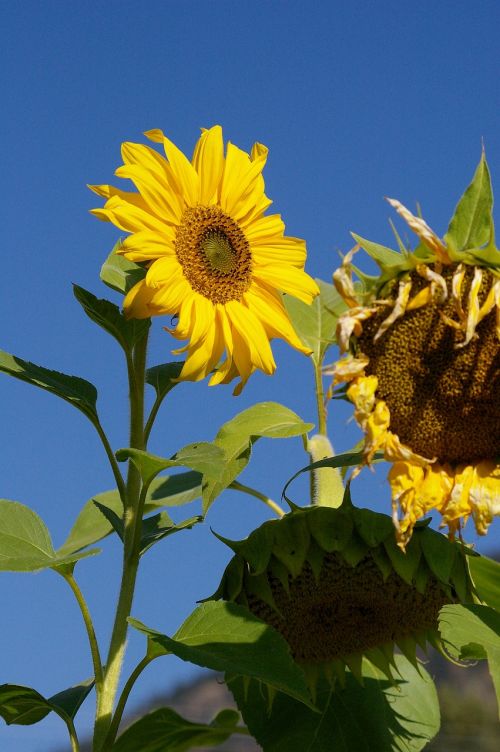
214	254
348	610
443	400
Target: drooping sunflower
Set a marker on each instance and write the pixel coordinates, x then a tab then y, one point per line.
213	258
422	364
336	586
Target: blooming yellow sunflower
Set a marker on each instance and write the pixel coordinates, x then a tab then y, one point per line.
213	258
422	364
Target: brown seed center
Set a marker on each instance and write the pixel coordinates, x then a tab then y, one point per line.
348	610
214	254
443	400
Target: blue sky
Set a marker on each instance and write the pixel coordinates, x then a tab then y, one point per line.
356	100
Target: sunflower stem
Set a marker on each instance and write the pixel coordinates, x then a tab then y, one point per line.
133	509
258	495
320	399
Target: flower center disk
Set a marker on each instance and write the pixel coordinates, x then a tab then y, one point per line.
348	610
443	398
214	254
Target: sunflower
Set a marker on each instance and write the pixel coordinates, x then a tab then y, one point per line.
214	259
336	586
422	364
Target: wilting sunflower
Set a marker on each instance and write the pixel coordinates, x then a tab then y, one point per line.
213	258
423	364
334	583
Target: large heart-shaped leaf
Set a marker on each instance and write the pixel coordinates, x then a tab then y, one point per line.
109	317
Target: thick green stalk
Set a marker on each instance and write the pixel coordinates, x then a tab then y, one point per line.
120	707
131	544
320	399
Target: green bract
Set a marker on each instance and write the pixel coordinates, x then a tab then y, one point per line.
335	584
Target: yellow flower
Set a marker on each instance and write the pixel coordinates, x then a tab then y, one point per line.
213	259
423	365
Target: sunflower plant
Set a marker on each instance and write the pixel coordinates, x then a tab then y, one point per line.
322	613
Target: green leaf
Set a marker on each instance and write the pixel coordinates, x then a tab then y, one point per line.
236	437
472	224
69	701
386	258
226	637
119	274
204	457
176	490
25	543
376	717
316	323
164	729
24	706
160	526
163	378
91	526
109	317
78	392
486	576
114	520
348	459
472	632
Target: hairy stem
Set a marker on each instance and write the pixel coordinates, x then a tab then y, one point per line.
94	647
120	707
131	544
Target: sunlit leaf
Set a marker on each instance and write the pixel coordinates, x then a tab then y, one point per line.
472	632
119	273
226	637
471	224
486	576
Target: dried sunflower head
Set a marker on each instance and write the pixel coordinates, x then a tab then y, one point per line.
334	583
422	364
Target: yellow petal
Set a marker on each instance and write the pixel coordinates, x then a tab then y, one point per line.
240	176
269	308
250	330
137	300
288	279
208	161
146	245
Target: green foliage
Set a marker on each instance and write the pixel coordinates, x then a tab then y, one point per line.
226	637
165	729
78	392
25	542
25	706
236	438
203	457
472	632
486	575
119	274
91	525
472	223
377	717
160	526
163	378
315	324
108	316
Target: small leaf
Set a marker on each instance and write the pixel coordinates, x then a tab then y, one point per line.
160	526
203	457
472	224
69	701
226	637
486	576
78	392
236	437
439	553
164	729
163	377
473	632
176	490
376	717
25	543
114	520
108	316
316	323
386	258
119	274
24	706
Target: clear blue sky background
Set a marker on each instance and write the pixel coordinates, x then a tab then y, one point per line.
356	100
